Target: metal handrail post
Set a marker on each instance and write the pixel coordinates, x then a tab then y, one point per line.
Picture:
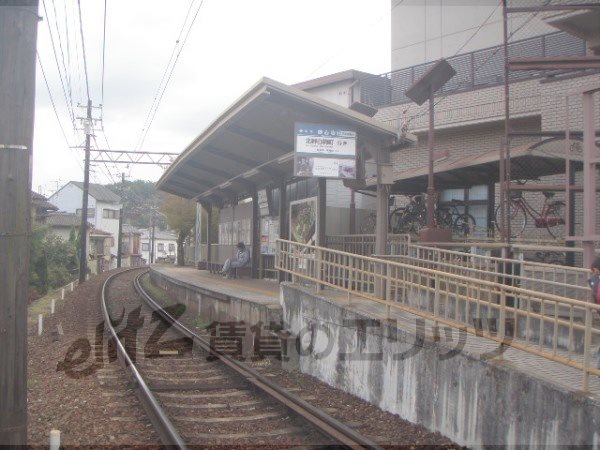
587	348
502	319
318	268
388	289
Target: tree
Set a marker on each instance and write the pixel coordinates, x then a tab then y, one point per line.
138	198
53	261
181	218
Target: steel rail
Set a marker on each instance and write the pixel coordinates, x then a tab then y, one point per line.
167	432
322	421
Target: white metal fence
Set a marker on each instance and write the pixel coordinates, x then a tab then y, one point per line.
521	318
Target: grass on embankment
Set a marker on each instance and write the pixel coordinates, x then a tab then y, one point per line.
43	305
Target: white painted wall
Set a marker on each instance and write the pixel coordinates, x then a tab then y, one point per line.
109	225
338	93
145	239
425	30
70	198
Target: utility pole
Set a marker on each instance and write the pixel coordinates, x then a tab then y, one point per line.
84	207
18	36
120	242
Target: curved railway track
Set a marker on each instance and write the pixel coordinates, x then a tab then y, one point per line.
195	394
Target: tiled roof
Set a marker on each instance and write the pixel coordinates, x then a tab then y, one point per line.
63	220
39	201
100	192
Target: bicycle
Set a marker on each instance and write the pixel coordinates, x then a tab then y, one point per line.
518	209
409	218
461	224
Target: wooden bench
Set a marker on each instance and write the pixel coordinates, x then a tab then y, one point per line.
241	272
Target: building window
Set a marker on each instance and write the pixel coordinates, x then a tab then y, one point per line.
145	247
161	247
91	212
171	248
110	213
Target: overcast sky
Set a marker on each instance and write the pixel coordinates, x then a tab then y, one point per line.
231	45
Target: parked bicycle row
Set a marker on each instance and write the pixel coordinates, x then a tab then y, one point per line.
454	215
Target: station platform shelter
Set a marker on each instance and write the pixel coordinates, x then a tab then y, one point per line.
504	327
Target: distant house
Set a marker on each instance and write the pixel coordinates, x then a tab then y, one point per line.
103	208
40	206
62	224
131	251
99	242
165	246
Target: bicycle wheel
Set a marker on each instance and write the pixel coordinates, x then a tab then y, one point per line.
443	218
517	216
555	220
368	224
397	221
464	225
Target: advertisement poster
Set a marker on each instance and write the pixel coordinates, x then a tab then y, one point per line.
324	151
269	233
303	221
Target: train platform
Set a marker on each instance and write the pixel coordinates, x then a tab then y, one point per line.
267	293
263	292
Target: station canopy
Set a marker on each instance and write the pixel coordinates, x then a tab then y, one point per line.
251	144
527	162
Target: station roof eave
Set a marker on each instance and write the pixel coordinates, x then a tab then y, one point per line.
251	144
527	162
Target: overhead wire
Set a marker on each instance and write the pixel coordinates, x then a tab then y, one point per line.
164	75
336	54
172	70
484	62
87	83
52	102
56	59
62	53
103	58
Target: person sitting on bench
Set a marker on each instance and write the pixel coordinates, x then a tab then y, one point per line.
242	259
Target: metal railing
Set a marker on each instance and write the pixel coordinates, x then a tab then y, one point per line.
515	317
475	70
564	281
364	244
556	279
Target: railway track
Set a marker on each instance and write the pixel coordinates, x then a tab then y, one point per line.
194	393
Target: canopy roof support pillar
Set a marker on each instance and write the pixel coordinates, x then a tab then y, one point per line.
209	237
321	212
255	234
283	224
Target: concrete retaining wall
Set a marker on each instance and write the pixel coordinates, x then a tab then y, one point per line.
474	402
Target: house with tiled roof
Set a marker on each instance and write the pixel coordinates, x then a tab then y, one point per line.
103	208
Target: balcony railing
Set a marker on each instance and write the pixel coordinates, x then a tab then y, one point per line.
479	69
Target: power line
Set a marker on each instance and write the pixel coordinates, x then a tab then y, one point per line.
56	111
71	112
454	33
336	54
87	84
52	100
484	62
147	128
62	52
103	57
164	75
78	59
479	28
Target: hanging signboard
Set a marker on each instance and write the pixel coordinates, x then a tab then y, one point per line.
324	151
